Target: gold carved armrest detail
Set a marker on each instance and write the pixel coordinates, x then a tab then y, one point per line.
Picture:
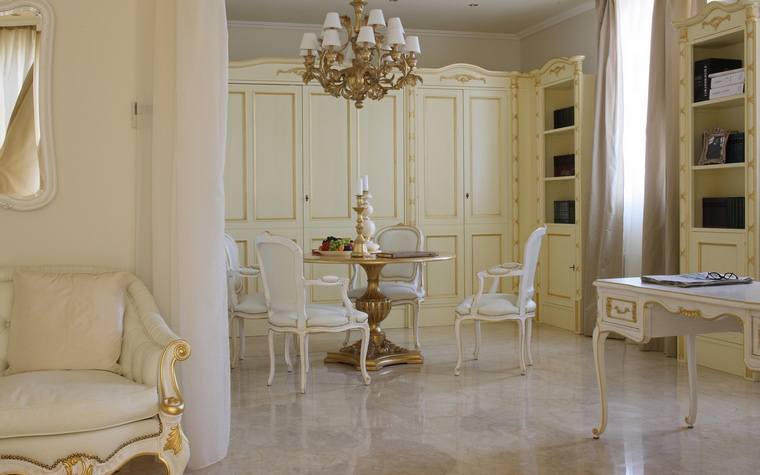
172	403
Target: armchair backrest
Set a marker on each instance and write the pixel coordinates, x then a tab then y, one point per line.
233	263
401	238
529	263
281	264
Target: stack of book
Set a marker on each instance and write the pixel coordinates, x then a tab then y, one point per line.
726	83
704	68
564	117
735	147
564	212
564	165
723	212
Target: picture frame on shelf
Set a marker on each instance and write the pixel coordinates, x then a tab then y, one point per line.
714	146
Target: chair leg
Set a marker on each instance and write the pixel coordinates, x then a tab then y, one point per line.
416	323
305	347
241	336
233	343
477	338
304	358
458	334
348	337
287	353
521	338
271	357
363	357
528	337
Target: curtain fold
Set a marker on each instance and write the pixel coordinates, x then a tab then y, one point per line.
603	256
19	157
181	207
661	228
17	52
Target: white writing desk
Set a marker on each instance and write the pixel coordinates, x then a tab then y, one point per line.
641	311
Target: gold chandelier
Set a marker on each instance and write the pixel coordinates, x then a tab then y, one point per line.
380	62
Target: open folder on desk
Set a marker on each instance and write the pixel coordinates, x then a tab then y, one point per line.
401	254
697	279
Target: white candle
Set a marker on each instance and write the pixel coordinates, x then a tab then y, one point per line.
361	186
366	182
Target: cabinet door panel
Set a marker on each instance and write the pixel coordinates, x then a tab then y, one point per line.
486	246
328	162
277	155
238	140
485	156
718	252
380	129
443	283
440	155
559	264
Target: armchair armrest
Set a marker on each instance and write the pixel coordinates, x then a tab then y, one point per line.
252	271
340	281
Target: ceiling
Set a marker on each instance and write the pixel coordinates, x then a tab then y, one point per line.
506	17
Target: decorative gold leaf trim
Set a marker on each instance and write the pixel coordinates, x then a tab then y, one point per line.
690	313
715	22
617	309
463	78
174	440
556	70
69	465
299	71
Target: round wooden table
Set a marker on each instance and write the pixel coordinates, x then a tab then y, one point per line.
381	351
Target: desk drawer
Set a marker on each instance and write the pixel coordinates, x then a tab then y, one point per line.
621	311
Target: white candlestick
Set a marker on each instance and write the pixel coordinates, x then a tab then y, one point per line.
361	186
366	182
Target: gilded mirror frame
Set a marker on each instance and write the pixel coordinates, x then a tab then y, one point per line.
46	149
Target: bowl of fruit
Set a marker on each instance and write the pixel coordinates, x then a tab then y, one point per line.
333	246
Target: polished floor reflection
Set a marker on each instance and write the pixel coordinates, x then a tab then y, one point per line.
417	419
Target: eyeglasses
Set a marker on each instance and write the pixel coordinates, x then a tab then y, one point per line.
719	276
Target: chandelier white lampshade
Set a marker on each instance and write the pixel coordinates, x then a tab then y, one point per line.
381	59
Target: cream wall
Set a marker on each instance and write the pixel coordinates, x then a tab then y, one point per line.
494	52
91	220
574	36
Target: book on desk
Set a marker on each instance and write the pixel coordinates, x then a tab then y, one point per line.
402	254
696	279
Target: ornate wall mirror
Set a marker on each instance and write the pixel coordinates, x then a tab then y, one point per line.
27	157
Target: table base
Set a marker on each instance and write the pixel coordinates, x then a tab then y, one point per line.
388	354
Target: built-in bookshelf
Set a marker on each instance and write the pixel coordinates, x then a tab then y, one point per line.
718	174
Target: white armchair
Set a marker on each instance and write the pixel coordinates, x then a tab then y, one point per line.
496	307
281	264
59	420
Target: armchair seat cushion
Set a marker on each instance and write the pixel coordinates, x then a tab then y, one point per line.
495	304
392	290
251	303
323	315
60	402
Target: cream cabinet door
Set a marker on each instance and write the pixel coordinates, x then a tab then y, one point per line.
486	157
558	303
440	157
263	167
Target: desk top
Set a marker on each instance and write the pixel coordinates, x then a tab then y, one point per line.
374	260
744	293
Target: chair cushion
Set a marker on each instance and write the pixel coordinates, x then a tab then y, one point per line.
66	321
255	303
318	315
494	305
392	290
60	402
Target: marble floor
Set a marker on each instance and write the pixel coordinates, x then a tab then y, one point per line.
421	419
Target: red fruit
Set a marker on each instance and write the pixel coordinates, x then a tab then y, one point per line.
325	246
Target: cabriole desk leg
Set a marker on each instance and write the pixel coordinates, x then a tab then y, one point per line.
598	342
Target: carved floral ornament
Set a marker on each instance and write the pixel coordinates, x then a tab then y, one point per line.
716	21
463	78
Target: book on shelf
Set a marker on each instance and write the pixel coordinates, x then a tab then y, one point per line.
564	165
402	254
725	91
564	117
726	78
564	212
702	70
735	147
723	212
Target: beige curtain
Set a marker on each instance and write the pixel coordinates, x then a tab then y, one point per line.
181	204
19	157
603	256
661	197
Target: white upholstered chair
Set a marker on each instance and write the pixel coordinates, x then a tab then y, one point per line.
241	306
496	307
281	264
402	283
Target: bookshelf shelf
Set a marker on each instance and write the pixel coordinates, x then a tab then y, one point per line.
559	178
721	103
569	130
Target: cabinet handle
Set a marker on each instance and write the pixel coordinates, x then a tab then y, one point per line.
572	267
467	196
307	197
